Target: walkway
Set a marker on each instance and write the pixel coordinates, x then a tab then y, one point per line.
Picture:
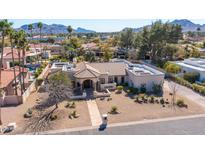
187	93
94	113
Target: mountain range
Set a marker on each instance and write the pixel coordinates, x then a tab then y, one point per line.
53	29
187	25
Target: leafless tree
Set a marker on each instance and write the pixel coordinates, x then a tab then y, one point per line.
173	87
59	88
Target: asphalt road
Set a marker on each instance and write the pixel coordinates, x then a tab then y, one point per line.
192	126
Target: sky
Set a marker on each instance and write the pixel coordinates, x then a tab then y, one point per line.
99	25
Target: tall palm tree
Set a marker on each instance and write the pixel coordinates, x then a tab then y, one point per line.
30	28
4	26
24	47
40	26
18	37
70	30
12	37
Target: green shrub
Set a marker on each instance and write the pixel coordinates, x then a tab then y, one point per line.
114	110
143	88
191	77
156	88
119	89
133	90
180	103
172	68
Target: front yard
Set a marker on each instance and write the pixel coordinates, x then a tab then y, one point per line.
16	114
129	110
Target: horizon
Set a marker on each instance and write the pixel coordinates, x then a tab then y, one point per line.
98	25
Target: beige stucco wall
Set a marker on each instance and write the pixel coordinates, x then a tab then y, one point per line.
137	81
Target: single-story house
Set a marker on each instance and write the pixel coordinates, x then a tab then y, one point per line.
193	65
107	75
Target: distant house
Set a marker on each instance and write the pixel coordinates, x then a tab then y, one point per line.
193	65
92	47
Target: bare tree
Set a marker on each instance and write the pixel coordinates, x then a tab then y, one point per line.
173	87
59	89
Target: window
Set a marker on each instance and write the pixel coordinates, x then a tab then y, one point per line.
102	81
110	79
116	79
122	79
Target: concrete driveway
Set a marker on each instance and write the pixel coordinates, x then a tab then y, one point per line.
186	92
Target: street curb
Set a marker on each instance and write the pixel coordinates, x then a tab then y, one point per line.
55	132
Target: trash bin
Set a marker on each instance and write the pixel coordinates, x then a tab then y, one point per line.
104	119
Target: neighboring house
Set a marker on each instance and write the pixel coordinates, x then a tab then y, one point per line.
7	80
7	56
101	76
92	47
193	65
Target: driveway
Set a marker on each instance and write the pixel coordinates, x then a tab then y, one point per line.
186	92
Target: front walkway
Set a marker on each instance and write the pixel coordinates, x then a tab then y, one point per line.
94	113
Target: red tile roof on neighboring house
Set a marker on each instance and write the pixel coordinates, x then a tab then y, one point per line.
89	45
8	54
7	76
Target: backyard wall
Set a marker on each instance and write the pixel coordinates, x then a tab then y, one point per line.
32	87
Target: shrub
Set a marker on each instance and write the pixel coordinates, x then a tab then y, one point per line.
180	103
162	101
39	82
133	90
157	88
28	113
152	99
172	68
191	77
114	110
70	105
199	88
53	117
119	89
73	114
143	88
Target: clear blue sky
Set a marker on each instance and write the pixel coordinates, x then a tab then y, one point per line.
99	25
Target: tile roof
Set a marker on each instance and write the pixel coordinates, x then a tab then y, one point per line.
92	70
7	77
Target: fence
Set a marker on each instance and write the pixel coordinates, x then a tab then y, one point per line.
32	86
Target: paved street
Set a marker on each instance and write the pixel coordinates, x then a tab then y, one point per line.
188	126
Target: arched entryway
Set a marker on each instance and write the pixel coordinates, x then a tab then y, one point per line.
87	84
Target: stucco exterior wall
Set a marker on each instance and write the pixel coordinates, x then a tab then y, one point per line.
148	80
191	70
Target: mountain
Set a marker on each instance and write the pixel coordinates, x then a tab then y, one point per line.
186	25
53	29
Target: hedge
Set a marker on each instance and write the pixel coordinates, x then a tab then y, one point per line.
196	87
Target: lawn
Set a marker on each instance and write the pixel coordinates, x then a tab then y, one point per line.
129	110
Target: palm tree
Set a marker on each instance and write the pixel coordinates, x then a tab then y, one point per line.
4	26
18	37
12	37
70	30
40	26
